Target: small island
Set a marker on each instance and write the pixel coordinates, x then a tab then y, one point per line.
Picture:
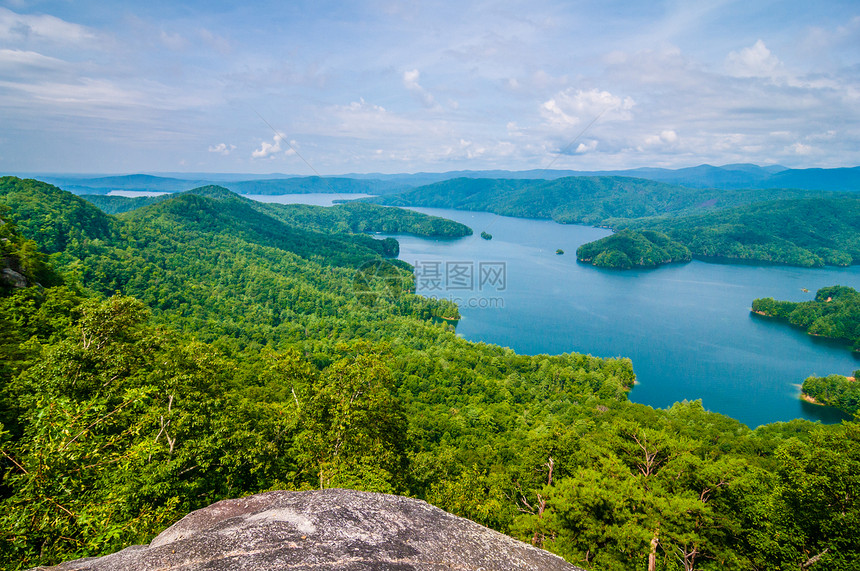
559	252
834	390
486	235
835	313
628	249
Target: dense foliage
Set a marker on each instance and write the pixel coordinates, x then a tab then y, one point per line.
120	204
835	390
578	200
835	312
810	232
202	349
350	218
21	262
631	249
357	217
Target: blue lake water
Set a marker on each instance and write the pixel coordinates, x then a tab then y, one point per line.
687	328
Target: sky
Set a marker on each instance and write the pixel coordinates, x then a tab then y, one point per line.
319	87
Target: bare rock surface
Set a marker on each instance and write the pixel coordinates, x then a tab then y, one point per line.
325	529
12	278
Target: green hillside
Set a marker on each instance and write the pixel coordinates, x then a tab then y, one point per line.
598	200
629	249
356	217
352	218
199	349
810	232
120	204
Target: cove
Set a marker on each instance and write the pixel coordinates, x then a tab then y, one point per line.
687	328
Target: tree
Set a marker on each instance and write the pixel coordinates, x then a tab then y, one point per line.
354	427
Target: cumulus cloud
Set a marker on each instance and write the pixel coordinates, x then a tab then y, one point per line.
222	148
572	107
665	137
269	150
586	147
410	82
754	61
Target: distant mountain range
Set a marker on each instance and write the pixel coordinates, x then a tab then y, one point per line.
729	177
737	176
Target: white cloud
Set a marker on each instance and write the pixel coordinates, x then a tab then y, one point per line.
269	150
799	148
410	81
222	148
666	137
754	61
573	107
12	61
586	147
21	27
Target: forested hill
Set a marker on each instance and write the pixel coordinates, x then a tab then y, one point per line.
809	232
359	217
579	200
217	210
189	356
352	217
629	249
57	220
835	312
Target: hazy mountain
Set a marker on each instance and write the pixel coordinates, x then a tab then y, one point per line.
727	177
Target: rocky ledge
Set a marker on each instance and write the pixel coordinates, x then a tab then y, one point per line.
326	529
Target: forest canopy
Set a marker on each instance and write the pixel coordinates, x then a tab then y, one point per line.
628	249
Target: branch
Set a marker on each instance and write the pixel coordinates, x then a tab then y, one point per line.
814	559
20	467
96	421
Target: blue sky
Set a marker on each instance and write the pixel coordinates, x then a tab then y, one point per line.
398	86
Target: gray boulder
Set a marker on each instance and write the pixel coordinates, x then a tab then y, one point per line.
325	529
11	278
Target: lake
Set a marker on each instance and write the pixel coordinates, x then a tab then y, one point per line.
687	328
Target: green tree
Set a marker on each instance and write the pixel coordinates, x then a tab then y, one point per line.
355	428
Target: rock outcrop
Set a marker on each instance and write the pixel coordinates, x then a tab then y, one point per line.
326	529
12	279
